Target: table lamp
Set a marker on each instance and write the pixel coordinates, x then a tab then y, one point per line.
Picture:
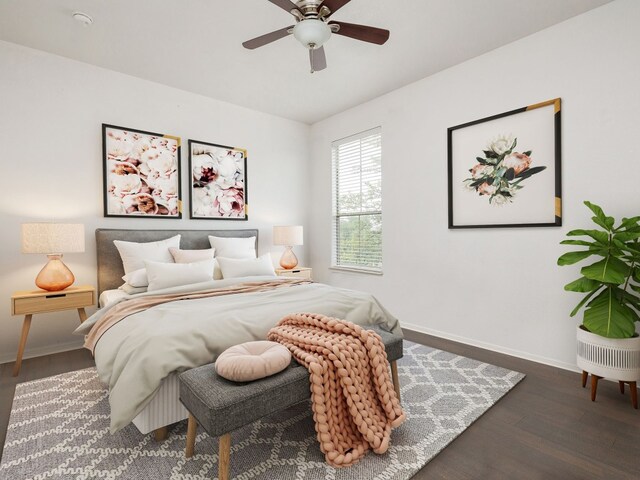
288	236
53	239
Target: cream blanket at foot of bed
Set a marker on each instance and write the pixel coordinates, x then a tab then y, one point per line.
353	400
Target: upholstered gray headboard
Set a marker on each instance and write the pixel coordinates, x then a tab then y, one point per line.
110	270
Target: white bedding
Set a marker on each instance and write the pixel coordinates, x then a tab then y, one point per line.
109	296
136	354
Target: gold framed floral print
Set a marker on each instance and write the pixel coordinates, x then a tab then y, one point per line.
218	176
141	173
504	170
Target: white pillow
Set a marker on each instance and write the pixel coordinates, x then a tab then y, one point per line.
165	275
129	290
190	256
234	247
245	267
134	254
137	278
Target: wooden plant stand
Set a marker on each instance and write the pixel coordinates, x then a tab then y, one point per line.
633	386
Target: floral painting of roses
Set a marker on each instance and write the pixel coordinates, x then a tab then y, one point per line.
141	173
504	170
218	176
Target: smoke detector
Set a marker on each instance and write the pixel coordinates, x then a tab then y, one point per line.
83	18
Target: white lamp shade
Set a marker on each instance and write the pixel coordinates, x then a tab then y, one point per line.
288	235
52	238
312	32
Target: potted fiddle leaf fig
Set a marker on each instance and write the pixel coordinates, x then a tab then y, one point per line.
608	345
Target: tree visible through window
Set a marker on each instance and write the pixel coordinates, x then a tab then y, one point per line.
357	201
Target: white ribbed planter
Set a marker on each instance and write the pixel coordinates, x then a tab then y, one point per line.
613	358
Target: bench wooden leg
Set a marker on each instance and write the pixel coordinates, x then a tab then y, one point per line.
161	433
224	454
394	377
192	426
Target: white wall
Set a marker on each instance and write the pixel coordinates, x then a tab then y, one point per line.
51	111
498	288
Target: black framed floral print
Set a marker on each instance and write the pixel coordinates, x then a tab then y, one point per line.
141	173
504	170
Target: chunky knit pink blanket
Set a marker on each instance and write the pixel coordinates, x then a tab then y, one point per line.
353	400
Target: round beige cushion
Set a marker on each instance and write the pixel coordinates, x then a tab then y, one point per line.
252	360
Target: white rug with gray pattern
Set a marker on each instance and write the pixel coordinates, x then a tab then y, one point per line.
59	430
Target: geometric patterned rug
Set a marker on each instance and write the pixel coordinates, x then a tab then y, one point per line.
59	429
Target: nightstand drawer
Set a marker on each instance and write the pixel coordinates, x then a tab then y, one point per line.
300	272
51	302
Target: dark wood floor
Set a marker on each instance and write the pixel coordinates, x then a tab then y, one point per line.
545	428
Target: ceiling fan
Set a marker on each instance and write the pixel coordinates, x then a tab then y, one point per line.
313	28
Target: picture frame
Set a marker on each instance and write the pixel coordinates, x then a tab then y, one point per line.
141	173
504	171
217	182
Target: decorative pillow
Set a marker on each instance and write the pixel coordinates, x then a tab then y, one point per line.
252	360
234	247
245	267
134	254
190	256
165	275
129	290
137	278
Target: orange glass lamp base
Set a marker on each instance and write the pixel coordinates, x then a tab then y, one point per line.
288	259
55	275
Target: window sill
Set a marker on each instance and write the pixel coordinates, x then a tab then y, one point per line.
366	271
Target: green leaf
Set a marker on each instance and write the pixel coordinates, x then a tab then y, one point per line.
604	221
606	316
510	174
597	235
579	242
628	222
607	270
582	302
527	153
529	172
481	160
626	236
513	145
582	285
570	258
490	154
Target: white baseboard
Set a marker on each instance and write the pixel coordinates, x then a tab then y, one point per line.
494	348
40	351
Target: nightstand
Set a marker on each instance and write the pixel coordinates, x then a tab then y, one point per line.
30	302
298	272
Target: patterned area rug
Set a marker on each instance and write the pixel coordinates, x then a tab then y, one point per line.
59	430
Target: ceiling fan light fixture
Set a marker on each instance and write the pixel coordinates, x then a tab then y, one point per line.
312	33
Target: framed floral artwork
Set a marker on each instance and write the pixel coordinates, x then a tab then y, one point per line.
504	170
218	176
141	173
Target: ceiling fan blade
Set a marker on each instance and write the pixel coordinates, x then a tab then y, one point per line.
287	5
362	32
267	38
318	59
334	5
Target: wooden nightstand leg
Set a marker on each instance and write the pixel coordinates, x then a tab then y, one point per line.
23	341
396	380
82	314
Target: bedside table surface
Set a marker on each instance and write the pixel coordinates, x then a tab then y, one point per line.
44	293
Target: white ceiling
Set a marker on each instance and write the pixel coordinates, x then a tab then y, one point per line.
195	45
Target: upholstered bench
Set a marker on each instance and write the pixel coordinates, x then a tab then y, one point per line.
222	406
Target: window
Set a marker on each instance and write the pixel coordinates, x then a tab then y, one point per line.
357	202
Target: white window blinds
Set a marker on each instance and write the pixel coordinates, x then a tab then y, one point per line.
357	201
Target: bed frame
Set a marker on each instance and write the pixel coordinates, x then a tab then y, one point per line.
164	408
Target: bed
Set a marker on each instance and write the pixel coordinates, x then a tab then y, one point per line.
164	408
